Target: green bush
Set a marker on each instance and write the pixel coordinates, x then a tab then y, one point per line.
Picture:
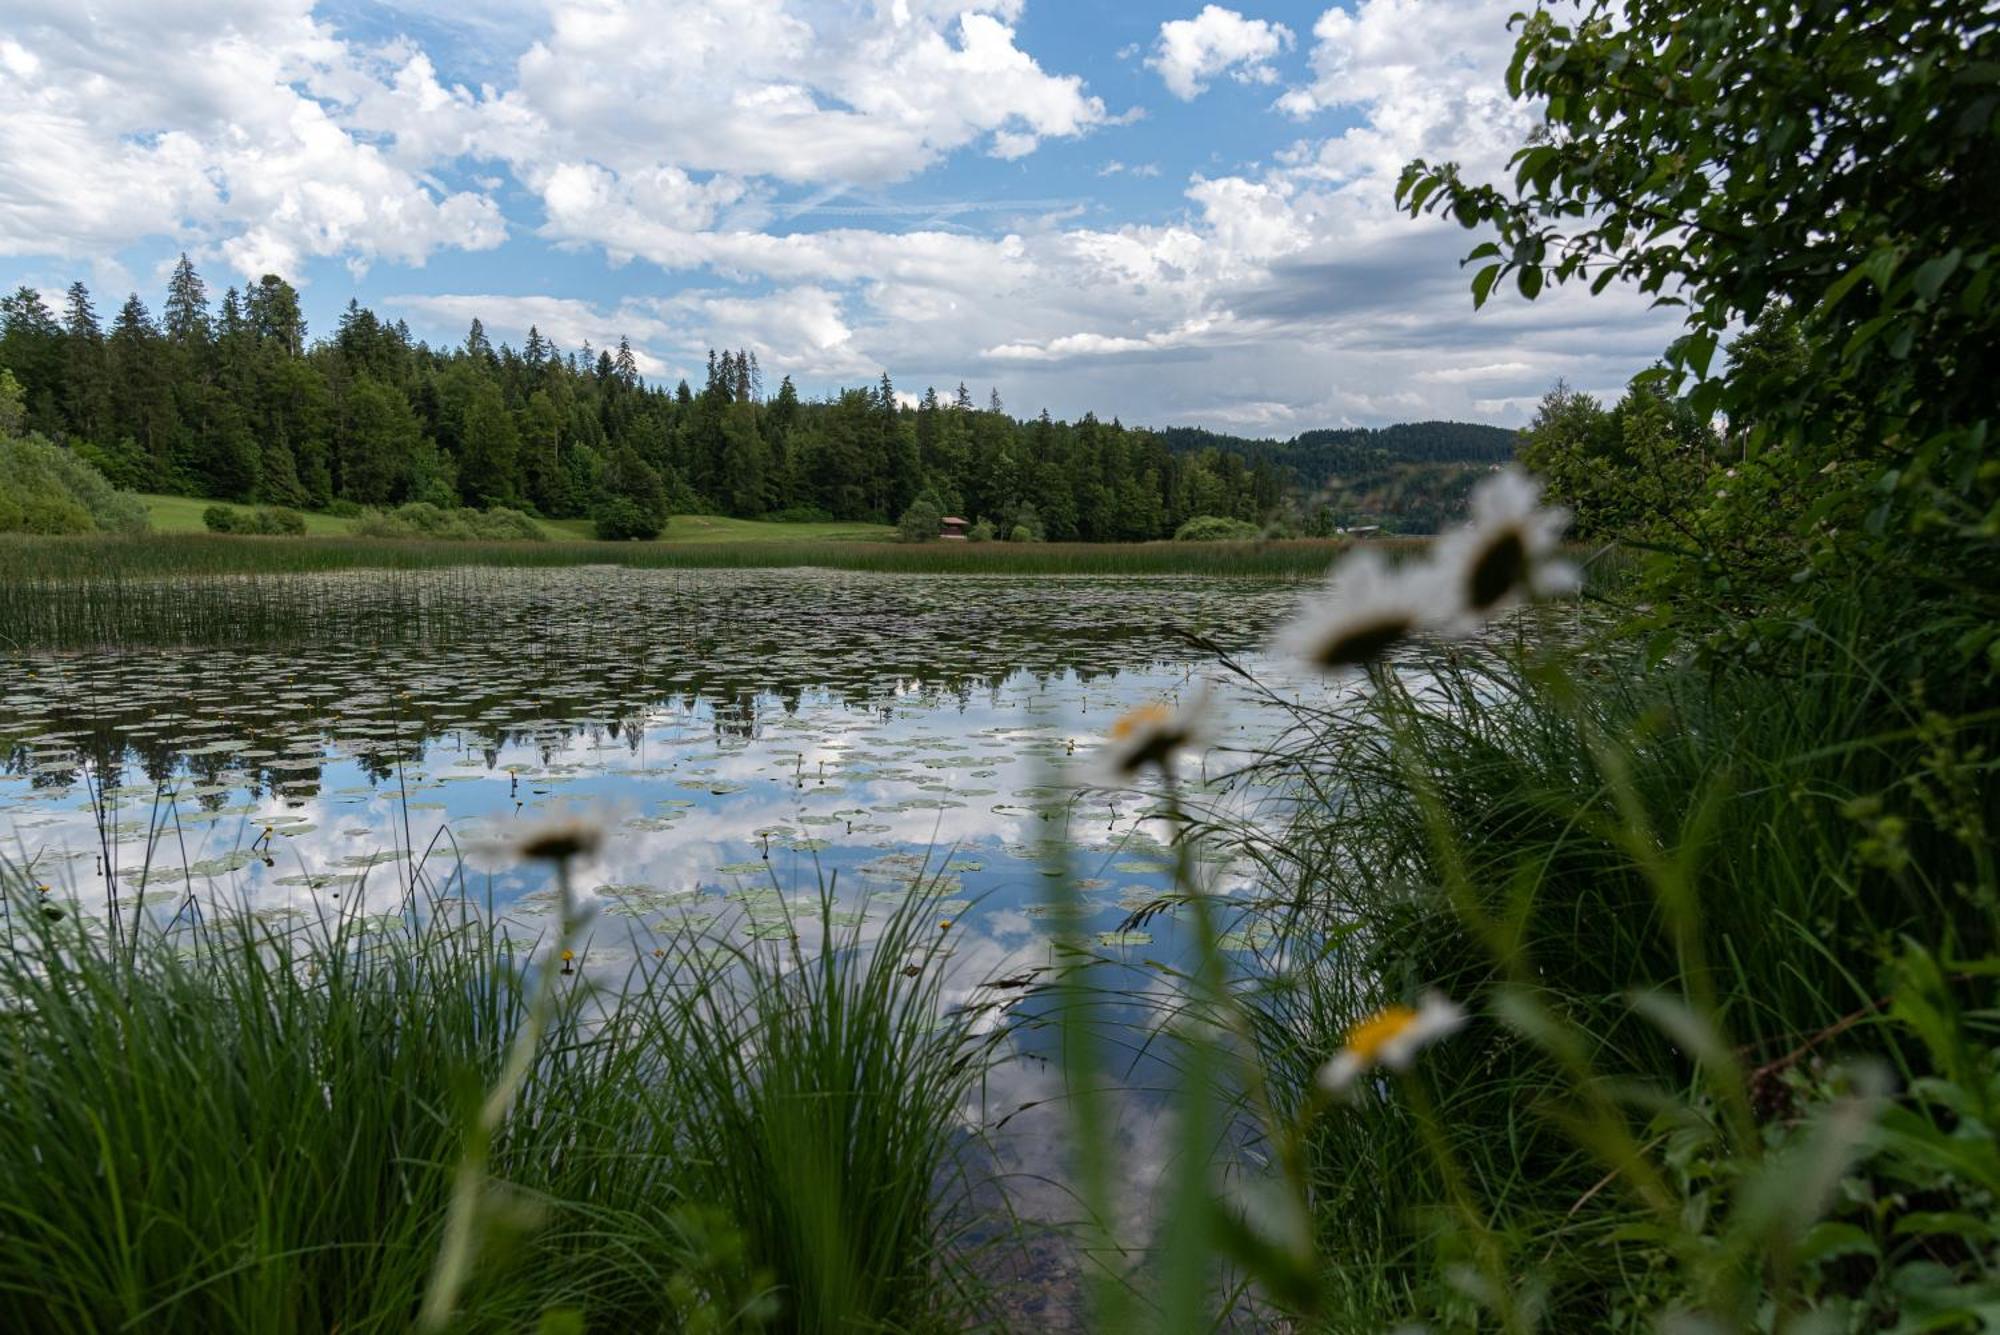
501	524
921	522
1217	528
622	519
800	514
981	531
421	519
267	521
45	488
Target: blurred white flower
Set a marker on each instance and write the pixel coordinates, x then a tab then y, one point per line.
1367	609
1148	736
1390	1037
1509	551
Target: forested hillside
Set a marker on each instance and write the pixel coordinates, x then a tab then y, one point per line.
1413	477
230	399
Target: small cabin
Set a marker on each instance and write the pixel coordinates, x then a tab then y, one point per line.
952	529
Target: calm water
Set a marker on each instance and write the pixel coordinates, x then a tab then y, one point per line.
744	737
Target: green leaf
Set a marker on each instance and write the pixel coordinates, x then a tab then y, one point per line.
1930	277
1482	284
1832	1238
1531	281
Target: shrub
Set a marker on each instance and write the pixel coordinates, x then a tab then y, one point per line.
345	509
621	519
920	523
981	531
421	519
279	521
1021	533
501	524
219	519
45	488
1216	528
800	514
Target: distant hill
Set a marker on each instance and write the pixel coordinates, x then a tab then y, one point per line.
1409	478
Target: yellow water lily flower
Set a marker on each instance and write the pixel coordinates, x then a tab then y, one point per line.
1390	1037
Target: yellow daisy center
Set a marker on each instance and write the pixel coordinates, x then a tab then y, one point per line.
1145	716
1367	1038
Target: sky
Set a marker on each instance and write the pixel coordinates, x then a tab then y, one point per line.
1173	214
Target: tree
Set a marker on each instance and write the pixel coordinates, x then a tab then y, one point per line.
382	439
488	443
1835	160
923	521
271	310
13	404
31	345
86	383
185	315
632	502
140	398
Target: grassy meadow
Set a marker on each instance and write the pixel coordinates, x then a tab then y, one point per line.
183	514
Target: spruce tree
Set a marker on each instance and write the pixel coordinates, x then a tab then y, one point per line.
86	384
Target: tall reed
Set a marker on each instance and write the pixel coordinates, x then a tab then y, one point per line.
249	1130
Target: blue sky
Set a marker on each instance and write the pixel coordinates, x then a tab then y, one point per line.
1168	213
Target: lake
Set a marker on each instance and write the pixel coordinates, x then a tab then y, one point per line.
744	738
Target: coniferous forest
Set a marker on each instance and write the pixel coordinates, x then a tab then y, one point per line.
230	399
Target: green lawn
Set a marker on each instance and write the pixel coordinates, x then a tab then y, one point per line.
182	514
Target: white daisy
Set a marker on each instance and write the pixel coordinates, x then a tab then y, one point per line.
1148	736
1508	552
1367	609
1390	1037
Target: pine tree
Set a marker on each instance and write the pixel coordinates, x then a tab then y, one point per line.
271	309
86	383
141	398
185	316
31	346
625	365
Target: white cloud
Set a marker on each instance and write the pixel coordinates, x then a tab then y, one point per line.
694	141
759	90
1431	74
1216	41
205	121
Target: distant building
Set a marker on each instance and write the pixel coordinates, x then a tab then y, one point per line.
952	529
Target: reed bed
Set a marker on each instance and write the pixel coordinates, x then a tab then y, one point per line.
165	555
252	1129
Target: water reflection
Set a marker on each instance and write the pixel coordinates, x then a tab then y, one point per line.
751	739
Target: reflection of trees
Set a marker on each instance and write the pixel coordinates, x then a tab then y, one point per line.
389	707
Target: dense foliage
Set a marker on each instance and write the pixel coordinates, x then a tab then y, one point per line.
46	489
1826	173
232	401
1410	478
1713	880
